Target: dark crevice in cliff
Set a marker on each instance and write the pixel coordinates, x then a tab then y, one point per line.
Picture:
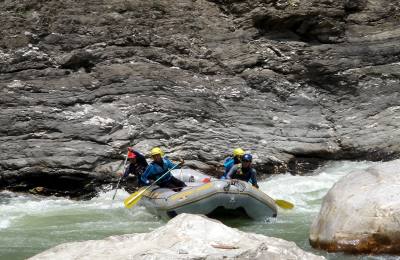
76	186
305	165
349	153
354	6
370	155
307	28
80	60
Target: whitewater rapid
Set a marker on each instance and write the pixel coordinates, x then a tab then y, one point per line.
30	224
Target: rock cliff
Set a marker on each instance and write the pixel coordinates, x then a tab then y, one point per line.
293	82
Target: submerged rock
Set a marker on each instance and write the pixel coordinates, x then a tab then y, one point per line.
184	237
361	213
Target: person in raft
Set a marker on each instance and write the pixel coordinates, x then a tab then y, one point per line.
137	165
244	171
232	160
159	166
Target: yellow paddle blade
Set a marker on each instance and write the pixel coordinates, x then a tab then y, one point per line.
284	204
134	198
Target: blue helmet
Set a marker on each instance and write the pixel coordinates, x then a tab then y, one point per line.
247	157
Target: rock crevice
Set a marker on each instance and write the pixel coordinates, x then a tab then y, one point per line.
289	81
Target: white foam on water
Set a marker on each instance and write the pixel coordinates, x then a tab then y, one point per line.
18	206
4	223
306	192
14	207
52	220
104	200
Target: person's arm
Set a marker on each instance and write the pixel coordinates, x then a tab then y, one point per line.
253	178
231	172
170	164
127	171
147	173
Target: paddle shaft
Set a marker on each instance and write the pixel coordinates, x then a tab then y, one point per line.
283	203
136	198
120	178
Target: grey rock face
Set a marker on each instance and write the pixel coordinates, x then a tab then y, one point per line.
360	214
293	82
184	237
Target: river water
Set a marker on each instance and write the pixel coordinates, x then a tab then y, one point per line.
30	224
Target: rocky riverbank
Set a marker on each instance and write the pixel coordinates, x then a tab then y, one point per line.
293	82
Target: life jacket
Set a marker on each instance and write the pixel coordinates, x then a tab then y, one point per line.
242	174
158	170
229	162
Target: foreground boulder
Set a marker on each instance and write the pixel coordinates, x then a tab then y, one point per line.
361	213
184	237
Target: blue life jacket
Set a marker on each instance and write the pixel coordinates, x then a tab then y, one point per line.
228	164
155	171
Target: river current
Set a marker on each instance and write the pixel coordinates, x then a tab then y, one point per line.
30	224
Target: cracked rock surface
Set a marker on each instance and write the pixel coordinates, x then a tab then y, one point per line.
293	82
184	237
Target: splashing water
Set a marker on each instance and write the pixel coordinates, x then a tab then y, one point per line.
30	224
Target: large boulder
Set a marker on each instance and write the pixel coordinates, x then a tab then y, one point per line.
184	237
361	213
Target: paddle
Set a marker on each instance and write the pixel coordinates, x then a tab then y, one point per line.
120	178
284	204
136	196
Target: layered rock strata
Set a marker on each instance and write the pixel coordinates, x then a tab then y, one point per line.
293	82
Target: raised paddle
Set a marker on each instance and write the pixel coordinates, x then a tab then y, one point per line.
284	204
120	178
136	196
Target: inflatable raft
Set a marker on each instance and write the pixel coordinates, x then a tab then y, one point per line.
207	195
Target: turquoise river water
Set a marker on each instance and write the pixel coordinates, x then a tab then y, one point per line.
30	224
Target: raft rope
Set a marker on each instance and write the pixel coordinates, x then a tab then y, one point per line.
240	186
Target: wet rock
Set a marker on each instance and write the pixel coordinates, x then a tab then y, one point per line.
293	82
37	190
360	214
184	237
79	59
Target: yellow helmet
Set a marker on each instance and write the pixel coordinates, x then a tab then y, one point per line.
156	150
238	152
